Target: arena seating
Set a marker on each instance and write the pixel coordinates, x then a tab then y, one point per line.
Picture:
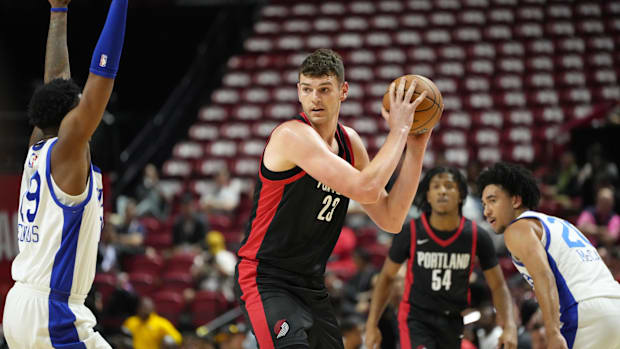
508	71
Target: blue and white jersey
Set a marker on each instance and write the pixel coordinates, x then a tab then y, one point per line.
58	233
579	272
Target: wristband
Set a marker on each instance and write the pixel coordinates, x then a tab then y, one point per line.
59	9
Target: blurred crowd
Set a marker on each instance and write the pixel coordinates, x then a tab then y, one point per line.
166	263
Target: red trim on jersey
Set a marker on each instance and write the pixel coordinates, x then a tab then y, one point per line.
254	303
348	142
442	243
269	198
405	306
474	243
303	115
284	181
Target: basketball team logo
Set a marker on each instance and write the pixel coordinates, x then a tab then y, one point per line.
281	328
33	160
103	61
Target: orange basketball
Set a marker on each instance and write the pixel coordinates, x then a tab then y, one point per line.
427	114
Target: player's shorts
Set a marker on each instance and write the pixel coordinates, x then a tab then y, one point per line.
283	313
423	329
599	324
35	319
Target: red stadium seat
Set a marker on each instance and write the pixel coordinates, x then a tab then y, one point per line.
523	117
159	241
177	168
457	156
206	306
169	305
457	119
143	283
252	147
559	11
488	137
203	132
177	281
489	155
450	138
263	129
245	167
221	148
501	15
180	262
145	264
247	112
326	24
235	130
472	17
105	284
188	150
588	9
210	167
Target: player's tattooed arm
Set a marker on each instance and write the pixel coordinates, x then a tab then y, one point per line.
56	54
56	51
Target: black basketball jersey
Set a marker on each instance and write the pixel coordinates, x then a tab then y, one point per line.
440	264
296	220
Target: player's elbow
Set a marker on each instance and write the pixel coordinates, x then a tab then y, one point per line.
367	196
367	192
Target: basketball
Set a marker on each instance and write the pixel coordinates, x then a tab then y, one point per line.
428	113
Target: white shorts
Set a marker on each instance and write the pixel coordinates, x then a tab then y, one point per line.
27	322
599	324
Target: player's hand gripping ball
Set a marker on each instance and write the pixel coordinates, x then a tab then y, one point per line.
428	113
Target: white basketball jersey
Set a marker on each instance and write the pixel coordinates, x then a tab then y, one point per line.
579	271
57	233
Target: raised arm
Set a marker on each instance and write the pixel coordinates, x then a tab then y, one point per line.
299	144
70	158
523	240
390	211
56	52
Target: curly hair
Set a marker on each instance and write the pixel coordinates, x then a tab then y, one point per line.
420	199
51	102
323	62
515	179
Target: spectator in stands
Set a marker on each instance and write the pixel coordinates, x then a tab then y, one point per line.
107	252
227	194
216	274
151	331
488	331
565	182
190	227
597	171
151	198
131	231
600	223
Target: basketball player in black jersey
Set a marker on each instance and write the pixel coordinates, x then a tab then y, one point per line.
311	167
441	247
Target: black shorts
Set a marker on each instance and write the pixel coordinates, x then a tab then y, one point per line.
282	312
423	329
